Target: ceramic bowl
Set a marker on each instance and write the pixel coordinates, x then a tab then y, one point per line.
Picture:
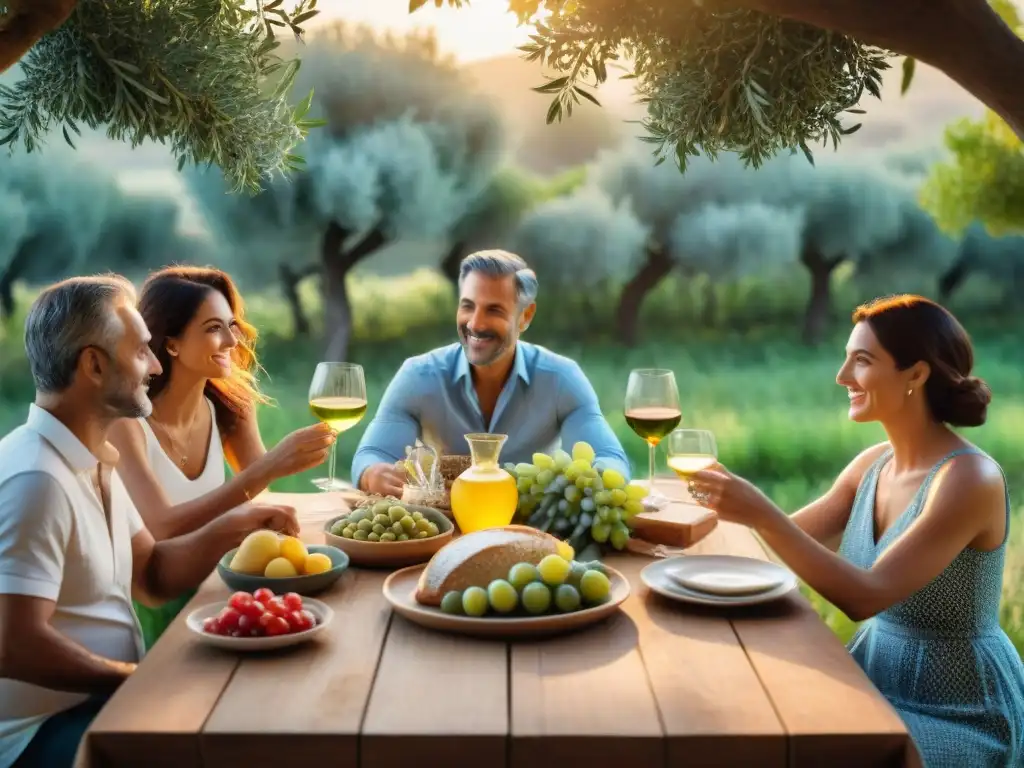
194	620
385	554
303	585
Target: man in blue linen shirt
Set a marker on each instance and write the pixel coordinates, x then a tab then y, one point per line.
489	381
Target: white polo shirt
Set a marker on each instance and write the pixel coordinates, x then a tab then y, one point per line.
55	543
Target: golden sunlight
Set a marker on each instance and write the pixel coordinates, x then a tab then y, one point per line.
483	30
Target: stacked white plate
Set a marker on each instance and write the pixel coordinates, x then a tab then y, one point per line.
723	580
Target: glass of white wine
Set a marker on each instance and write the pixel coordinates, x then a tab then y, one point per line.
690	451
337	396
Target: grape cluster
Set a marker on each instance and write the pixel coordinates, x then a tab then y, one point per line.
556	582
565	495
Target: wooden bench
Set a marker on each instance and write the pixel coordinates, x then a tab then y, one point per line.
662	684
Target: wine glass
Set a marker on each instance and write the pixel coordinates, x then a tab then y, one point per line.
337	396
652	411
691	450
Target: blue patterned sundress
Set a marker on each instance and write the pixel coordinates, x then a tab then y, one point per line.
940	657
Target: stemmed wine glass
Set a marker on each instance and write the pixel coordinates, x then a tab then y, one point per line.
337	396
652	411
690	451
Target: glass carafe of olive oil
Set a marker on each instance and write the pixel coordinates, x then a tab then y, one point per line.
485	495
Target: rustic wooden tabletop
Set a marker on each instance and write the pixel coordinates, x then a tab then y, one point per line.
659	684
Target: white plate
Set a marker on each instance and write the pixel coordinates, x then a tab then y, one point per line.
321	611
659	577
726	576
400	591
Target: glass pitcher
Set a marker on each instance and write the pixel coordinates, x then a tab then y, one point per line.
485	495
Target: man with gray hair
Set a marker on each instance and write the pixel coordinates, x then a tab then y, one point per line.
73	549
490	381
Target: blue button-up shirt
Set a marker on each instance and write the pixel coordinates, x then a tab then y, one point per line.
546	403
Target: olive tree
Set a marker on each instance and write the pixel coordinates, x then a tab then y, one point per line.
758	76
407	150
63	218
580	245
723	218
204	77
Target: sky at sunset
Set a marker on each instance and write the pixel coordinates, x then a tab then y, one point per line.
483	30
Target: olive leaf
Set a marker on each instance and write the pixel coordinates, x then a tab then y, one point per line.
200	76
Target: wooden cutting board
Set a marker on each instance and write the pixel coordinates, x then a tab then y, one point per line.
681	524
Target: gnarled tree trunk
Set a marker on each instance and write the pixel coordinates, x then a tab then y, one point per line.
337	263
290	280
819	305
9	274
657	267
25	23
953	278
451	261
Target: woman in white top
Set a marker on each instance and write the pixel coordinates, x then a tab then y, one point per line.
173	463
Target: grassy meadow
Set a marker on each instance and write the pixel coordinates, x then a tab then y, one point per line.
779	418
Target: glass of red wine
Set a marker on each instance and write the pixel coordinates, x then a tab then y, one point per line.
652	411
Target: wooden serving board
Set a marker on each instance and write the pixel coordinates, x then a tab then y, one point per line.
681	524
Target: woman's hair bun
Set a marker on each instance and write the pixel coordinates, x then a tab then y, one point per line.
962	404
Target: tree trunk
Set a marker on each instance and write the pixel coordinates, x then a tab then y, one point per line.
9	275
25	23
819	306
658	265
290	280
6	297
952	279
965	39
450	263
337	264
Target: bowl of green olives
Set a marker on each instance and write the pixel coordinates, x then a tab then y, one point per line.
389	533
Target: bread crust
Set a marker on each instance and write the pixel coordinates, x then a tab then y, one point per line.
476	559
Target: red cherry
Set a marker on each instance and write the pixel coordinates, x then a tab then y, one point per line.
240	601
249	626
277	626
297	621
255	609
228	618
277	607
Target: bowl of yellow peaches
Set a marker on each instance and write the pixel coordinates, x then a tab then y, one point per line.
282	564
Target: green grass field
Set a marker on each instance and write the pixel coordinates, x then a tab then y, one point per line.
779	418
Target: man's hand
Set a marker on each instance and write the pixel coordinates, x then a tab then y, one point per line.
163	570
253	517
383	479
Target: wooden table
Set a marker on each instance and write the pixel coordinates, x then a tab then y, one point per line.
661	684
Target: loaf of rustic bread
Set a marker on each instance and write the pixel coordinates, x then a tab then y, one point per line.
476	559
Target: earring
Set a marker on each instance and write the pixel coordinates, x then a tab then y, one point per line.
910	392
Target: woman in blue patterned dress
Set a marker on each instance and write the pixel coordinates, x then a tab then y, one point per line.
922	522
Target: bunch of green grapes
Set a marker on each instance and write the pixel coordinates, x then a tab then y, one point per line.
567	496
